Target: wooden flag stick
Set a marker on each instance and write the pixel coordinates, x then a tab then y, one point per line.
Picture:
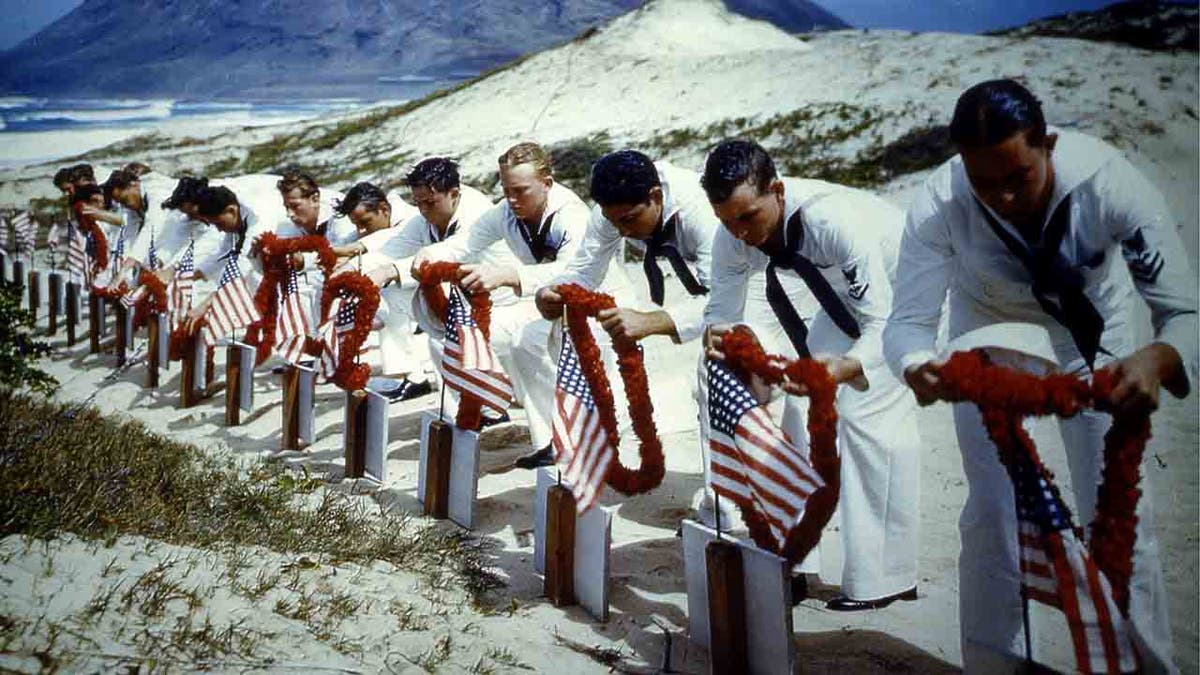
72	312
726	608
55	284
291	407
187	375
152	365
122	337
233	373
437	469
560	546
35	293
95	319
354	438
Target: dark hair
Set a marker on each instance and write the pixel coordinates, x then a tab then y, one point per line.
436	173
136	168
733	163
86	192
623	177
119	179
63	176
186	190
82	173
362	194
213	200
293	179
992	111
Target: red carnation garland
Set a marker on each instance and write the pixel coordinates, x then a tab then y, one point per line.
431	276
1006	397
89	225
580	304
746	357
108	293
349	374
153	302
276	253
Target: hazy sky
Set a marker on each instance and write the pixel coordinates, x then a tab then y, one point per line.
23	18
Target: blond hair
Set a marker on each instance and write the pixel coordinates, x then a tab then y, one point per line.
527	153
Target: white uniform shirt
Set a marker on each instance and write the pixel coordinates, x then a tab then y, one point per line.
569	221
166	227
401	209
851	235
696	227
1117	219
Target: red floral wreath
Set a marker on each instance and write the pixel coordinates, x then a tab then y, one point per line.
153	302
1006	397
431	276
746	357
89	225
580	304
276	253
349	374
110	293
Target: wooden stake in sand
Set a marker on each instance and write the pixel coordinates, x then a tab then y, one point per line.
365	436
3	266
124	321
239	381
299	383
157	331
54	302
726	608
95	322
192	360
18	275
559	583
35	293
574	558
437	469
463	480
72	312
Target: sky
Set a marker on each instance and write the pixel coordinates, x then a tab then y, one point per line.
23	18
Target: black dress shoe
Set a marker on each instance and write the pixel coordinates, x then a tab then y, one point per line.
543	457
486	421
799	588
840	603
408	390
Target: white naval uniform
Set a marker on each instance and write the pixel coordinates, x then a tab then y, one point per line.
851	236
1118	225
337	231
165	227
520	336
211	254
402	309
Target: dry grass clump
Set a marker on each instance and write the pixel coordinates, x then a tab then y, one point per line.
65	469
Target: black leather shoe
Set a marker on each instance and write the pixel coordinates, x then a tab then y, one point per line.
486	421
543	457
799	588
840	603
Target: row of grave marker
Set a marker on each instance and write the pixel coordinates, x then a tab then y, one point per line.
739	596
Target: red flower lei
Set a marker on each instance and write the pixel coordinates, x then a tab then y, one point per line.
1006	397
746	357
110	294
431	276
89	225
349	374
276	255
177	342
579	304
153	302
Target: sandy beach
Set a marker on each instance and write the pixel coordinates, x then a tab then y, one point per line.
635	82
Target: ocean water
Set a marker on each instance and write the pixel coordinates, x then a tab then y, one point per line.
35	130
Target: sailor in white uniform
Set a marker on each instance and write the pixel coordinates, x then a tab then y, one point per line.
841	244
543	223
1057	229
446	208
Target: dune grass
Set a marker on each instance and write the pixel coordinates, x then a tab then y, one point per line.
68	470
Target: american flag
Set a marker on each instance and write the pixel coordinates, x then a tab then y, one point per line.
152	260
342	309
119	250
79	269
232	304
24	232
135	295
54	236
582	447
1057	570
179	292
468	362
291	324
754	463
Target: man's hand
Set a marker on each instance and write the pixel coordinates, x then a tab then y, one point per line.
1138	377
102	214
844	369
631	324
194	316
382	275
549	302
487	278
712	340
255	247
926	383
419	259
349	250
